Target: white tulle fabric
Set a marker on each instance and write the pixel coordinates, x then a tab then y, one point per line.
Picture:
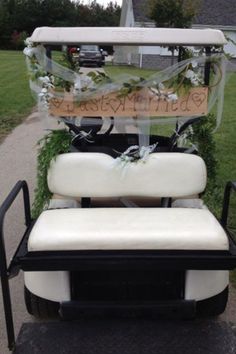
143	121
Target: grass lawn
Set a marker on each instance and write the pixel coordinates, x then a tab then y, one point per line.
226	147
114	70
15	97
226	135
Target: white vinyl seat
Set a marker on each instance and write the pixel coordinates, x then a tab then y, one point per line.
96	175
127	229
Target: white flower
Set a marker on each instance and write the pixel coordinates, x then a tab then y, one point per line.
195	78
44	90
29	52
43	94
172	97
189	74
134	154
28	42
161	86
46	82
77	86
194	63
194	81
44	79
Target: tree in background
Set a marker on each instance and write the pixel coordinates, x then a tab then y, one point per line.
5	26
23	16
18	39
173	13
96	15
113	12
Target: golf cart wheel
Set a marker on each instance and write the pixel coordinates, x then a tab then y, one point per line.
213	306
39	307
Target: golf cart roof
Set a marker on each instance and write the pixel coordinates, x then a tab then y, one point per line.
128	36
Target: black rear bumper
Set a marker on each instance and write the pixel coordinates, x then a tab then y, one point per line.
121	260
185	309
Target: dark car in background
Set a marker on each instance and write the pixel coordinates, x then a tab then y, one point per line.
91	55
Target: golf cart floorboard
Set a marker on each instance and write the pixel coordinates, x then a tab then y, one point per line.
126	336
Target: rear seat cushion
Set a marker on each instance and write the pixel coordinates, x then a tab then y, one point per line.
127	229
94	175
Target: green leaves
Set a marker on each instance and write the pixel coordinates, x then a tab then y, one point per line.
53	144
99	77
203	137
131	86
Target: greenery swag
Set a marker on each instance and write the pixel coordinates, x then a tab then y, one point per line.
53	144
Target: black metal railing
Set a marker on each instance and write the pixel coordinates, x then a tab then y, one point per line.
230	186
20	185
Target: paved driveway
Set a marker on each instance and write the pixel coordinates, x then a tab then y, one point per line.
18	161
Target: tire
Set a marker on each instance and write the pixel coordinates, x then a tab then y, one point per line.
213	306
39	307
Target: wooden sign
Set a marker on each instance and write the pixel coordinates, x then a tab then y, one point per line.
143	103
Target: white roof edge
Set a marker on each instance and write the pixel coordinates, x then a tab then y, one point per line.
128	36
220	27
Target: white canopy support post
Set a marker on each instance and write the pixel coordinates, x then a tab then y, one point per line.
141	58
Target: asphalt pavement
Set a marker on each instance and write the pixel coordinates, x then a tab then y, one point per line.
18	162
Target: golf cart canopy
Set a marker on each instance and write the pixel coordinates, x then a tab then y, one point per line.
128	36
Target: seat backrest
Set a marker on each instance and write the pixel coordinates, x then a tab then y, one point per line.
99	175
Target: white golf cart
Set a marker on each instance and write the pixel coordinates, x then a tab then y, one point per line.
128	231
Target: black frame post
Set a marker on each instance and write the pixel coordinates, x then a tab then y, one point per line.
225	210
207	67
6	296
20	185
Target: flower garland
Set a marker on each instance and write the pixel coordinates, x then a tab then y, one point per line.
191	76
45	81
